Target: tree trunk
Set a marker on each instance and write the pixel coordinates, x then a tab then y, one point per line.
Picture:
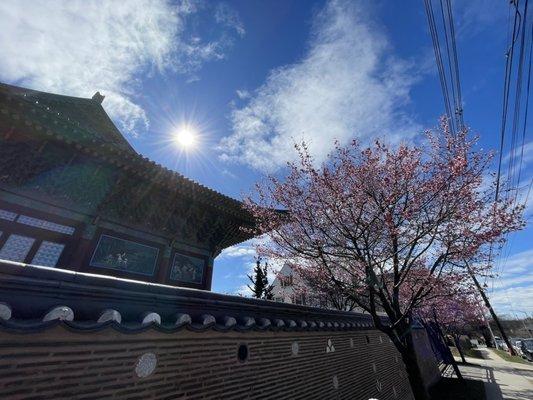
403	341
459	349
414	373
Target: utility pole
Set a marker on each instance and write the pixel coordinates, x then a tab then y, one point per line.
491	333
491	310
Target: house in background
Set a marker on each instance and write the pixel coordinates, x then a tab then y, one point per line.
290	287
283	288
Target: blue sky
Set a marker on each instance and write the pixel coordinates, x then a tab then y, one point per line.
254	76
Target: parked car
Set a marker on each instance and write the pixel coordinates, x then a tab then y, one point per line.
518	347
527	349
500	344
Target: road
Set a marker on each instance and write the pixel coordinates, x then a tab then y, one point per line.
503	379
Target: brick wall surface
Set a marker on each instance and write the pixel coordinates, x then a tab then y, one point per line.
60	364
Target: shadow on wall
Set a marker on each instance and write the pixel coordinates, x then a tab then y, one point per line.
426	358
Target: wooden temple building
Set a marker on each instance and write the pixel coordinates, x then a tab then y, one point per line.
75	195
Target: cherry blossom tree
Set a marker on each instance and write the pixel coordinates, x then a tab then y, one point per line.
387	225
454	307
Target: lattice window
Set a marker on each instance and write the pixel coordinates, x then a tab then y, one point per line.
43	224
48	254
16	248
10	216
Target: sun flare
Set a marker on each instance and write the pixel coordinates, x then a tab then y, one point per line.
186	136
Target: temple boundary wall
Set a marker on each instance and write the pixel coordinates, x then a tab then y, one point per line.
82	336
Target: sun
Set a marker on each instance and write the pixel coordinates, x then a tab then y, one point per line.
186	136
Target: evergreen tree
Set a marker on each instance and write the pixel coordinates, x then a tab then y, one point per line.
260	286
267	291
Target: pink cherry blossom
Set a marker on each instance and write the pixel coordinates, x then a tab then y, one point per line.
388	228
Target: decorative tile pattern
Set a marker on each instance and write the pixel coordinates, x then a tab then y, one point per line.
48	254
16	248
43	224
329	346
10	216
335	382
145	365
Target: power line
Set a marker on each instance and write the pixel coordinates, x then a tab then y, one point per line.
517	102
440	65
506	92
528	86
520	29
449	75
455	60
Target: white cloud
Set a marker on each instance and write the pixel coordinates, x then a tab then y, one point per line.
245	249
242	94
513	300
527	156
347	85
513	288
519	263
519	162
474	16
78	47
227	16
244	290
228	173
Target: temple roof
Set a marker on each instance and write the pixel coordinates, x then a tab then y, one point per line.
88	114
82	124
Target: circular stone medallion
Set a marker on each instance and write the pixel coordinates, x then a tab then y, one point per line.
295	348
145	365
